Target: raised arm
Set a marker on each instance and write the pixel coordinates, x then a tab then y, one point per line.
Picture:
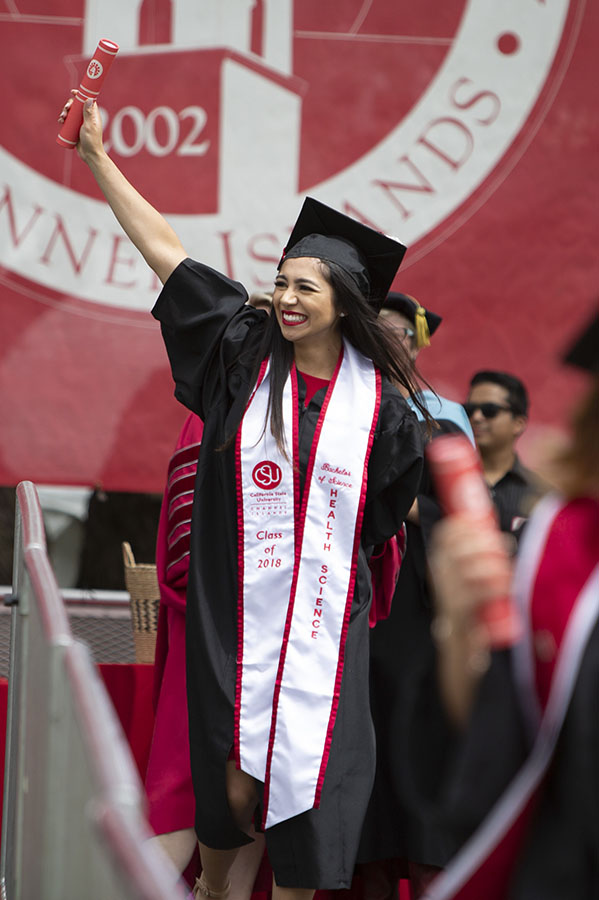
144	225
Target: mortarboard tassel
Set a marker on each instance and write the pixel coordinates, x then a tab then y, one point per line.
423	338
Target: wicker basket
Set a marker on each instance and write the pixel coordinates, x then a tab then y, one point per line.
142	584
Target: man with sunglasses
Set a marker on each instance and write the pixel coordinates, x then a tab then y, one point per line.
497	407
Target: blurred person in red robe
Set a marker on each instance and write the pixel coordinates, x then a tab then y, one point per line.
518	796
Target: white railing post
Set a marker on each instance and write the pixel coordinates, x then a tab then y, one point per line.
74	814
11	850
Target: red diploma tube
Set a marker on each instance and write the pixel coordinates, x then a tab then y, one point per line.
462	489
89	88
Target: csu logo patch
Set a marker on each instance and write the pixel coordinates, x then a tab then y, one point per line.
225	114
267	475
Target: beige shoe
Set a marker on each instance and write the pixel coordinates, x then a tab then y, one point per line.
201	889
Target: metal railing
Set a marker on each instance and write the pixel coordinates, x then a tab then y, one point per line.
73	820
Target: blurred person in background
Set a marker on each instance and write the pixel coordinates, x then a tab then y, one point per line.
520	790
497	407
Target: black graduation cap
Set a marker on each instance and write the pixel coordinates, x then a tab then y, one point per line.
425	321
584	353
368	256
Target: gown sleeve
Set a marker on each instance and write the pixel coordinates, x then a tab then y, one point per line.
394	470
209	333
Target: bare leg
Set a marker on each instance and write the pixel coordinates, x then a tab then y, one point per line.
242	795
245	868
217	864
178	846
283	893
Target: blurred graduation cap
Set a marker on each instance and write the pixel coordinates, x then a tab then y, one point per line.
368	256
584	353
425	322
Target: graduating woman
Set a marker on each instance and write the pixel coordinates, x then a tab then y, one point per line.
310	458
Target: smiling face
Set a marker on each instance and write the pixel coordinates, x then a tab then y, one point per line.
304	304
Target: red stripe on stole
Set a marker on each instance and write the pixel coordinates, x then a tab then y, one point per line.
299	532
569	557
350	594
240	575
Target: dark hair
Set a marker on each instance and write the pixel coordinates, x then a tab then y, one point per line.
362	328
517	393
371	335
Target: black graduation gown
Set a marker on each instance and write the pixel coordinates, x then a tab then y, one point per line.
401	647
212	339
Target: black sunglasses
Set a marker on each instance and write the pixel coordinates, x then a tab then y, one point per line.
489	410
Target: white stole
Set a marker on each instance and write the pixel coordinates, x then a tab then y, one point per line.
297	570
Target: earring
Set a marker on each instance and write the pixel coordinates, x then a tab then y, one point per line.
342	315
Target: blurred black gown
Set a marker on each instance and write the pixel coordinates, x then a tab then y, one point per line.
486	776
